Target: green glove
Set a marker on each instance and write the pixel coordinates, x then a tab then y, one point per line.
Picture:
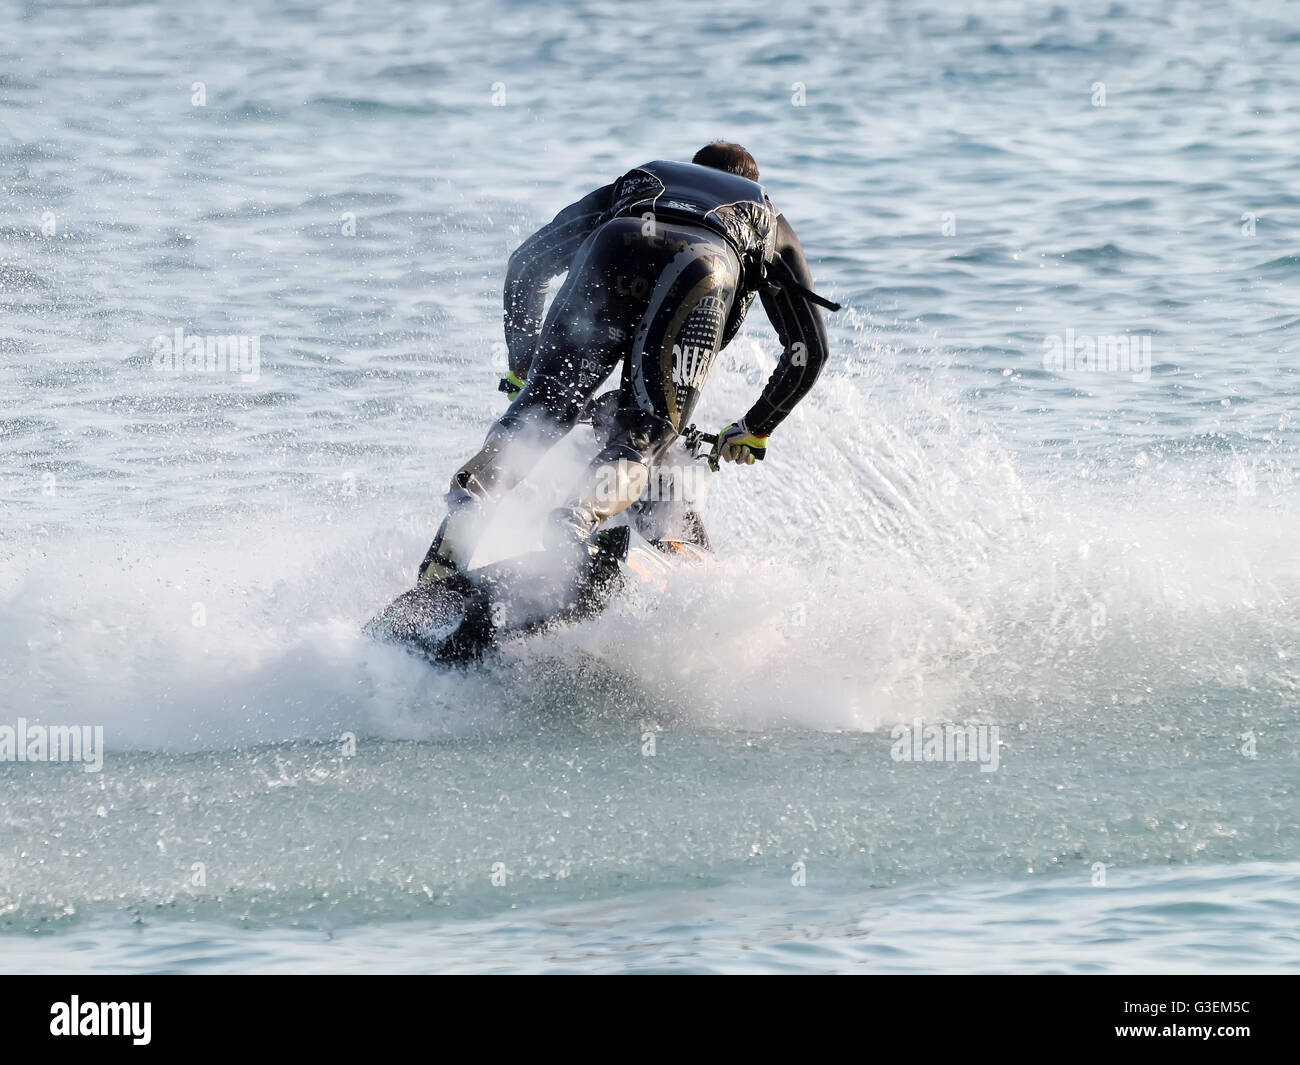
510	385
737	444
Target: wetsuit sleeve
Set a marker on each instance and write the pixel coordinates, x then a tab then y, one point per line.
542	256
799	325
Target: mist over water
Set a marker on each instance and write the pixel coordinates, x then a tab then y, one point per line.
947	531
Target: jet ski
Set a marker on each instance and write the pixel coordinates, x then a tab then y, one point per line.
461	618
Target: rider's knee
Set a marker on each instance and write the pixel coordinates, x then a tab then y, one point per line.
638	437
546	399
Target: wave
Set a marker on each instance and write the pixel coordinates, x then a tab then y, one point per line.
892	558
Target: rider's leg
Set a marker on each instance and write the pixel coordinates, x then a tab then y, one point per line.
576	351
543	412
675	345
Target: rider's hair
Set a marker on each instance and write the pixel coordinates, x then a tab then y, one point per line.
723	155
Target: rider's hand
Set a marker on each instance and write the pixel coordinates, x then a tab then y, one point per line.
737	444
510	385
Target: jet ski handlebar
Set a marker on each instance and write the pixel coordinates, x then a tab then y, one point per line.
693	437
600	412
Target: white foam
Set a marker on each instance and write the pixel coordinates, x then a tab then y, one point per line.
889	560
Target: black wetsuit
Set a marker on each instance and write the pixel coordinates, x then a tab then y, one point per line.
662	266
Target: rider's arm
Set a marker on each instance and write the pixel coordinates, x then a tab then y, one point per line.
799	325
542	256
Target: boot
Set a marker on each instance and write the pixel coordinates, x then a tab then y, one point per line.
453	545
